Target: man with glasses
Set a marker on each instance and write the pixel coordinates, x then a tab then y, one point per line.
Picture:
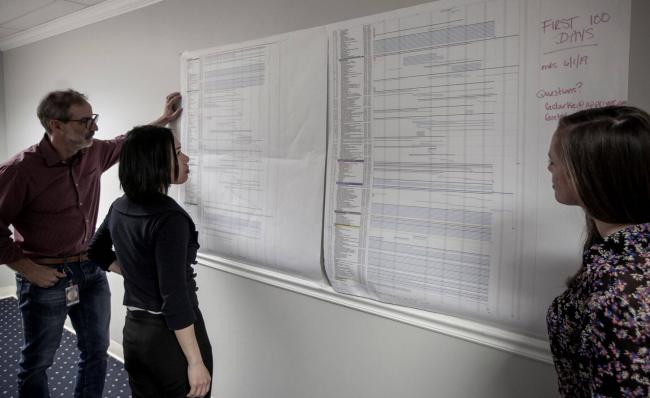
50	194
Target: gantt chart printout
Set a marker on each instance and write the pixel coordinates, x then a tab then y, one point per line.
254	129
423	164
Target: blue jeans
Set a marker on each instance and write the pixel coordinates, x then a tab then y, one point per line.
44	312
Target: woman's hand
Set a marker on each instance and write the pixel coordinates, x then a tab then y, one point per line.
199	379
197	374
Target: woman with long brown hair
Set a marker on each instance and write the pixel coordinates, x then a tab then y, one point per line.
599	328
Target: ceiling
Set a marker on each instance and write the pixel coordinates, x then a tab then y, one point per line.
27	21
20	15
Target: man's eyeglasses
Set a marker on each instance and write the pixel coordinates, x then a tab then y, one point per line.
86	121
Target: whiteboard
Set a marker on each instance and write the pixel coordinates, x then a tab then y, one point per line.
437	118
440	117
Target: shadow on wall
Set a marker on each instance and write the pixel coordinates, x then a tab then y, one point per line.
529	384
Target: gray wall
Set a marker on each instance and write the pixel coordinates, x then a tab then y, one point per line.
639	87
6	275
3	133
267	342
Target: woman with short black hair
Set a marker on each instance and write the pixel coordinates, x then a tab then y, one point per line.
166	347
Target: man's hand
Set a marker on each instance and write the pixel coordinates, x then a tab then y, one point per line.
172	110
40	275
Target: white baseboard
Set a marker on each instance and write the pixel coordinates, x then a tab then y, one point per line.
116	350
7	291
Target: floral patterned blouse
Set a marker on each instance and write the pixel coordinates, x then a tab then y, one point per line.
599	328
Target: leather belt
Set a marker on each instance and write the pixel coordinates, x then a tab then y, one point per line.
75	258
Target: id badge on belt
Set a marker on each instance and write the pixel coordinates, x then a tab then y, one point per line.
71	291
72	294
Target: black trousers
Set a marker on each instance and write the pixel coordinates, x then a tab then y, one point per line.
153	358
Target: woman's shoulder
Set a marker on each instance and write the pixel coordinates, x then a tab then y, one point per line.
170	211
172	206
164	205
623	287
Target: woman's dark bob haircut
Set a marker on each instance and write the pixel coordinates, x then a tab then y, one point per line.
147	161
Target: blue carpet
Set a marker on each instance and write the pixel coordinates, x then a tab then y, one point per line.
63	372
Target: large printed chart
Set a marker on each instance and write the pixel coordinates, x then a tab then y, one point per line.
255	134
424	152
429	111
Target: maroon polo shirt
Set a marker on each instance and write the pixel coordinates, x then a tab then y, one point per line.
52	204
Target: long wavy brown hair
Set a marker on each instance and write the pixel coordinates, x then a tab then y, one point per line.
606	152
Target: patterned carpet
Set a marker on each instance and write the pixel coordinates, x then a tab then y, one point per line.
62	374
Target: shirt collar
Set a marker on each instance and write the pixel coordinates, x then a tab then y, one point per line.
50	154
129	207
628	233
618	243
48	151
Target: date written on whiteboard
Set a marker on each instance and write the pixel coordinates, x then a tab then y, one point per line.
573	61
576	61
